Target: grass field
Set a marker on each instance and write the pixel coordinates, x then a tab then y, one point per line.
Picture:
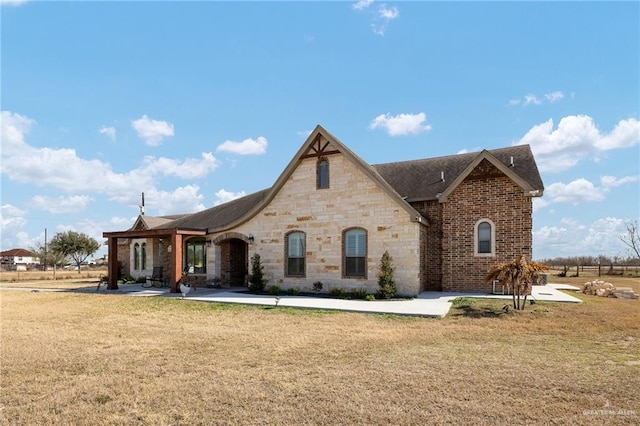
91	359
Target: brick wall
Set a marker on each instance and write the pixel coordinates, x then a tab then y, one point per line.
485	193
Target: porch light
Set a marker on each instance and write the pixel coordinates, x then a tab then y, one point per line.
251	239
208	242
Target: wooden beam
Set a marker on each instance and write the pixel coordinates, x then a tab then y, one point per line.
113	264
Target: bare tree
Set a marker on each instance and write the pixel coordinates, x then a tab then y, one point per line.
632	237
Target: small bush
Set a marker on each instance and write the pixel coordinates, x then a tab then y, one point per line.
370	297
336	292
360	293
385	277
141	280
274	289
317	286
292	291
256	279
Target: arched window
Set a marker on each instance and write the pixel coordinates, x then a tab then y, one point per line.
143	255
136	256
296	250
354	253
484	238
195	258
322	174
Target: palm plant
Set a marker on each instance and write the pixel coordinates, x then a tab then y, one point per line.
518	276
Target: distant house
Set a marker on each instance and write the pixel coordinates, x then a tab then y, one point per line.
330	216
18	259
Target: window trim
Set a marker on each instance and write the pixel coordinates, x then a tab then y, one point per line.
476	239
143	256
344	253
319	164
304	254
136	256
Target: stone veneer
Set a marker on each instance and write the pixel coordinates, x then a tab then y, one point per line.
352	200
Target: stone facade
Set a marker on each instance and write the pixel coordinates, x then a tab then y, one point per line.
352	200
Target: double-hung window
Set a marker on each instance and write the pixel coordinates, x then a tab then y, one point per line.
355	253
296	254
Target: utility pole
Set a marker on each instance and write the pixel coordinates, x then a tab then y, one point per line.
45	249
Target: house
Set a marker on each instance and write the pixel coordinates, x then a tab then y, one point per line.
18	259
330	216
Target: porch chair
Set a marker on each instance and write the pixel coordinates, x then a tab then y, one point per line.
156	276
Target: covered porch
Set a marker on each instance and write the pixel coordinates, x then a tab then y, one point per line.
169	255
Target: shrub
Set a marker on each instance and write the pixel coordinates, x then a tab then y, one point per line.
274	289
360	293
336	292
256	279
385	277
141	280
292	291
370	297
317	286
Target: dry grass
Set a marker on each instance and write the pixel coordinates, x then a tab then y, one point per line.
70	358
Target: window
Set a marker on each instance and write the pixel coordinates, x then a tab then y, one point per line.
196	256
484	235
322	174
355	253
295	242
143	260
136	256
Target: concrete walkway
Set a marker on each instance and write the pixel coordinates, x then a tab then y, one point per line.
427	304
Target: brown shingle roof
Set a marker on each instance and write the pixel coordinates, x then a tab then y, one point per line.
20	252
420	179
218	217
414	180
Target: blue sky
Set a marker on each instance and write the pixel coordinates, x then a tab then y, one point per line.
196	103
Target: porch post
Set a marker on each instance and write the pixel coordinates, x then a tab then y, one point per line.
113	263
176	255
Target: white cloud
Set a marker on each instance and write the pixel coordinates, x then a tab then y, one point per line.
58	205
613	182
12	221
13	129
575	138
531	99
152	131
380	17
625	135
575	192
185	199
580	191
246	147
577	239
388	13
224	196
64	169
554	96
109	131
383	17
362	4
401	124
12	2
188	169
